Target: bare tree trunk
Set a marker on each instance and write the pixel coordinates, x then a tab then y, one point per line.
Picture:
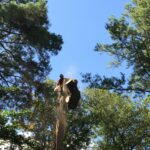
61	120
61	123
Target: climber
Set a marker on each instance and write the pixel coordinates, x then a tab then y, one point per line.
60	82
67	88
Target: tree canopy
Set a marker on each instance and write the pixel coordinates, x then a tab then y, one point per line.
26	46
130	44
107	118
119	122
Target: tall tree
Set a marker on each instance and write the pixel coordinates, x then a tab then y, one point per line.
131	43
26	46
118	122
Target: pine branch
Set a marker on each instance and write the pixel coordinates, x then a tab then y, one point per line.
125	89
7	42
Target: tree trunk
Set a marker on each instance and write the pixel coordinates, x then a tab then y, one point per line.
61	123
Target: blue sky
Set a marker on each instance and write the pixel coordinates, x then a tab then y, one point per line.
82	25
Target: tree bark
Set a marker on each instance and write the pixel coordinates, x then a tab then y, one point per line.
61	123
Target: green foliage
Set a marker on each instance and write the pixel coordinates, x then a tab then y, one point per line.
26	46
106	83
130	35
120	122
25	49
41	120
9	134
79	130
30	20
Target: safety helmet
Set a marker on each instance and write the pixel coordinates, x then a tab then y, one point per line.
61	76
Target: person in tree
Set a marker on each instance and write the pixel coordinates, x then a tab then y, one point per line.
60	82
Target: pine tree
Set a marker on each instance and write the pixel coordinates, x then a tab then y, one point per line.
26	46
130	43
